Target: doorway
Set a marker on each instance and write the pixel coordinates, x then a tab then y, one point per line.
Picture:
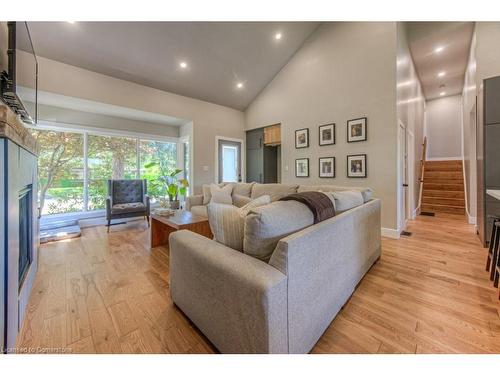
229	160
405	176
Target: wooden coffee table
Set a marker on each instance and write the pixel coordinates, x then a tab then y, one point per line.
162	226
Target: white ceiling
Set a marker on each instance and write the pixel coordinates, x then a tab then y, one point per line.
218	54
455	38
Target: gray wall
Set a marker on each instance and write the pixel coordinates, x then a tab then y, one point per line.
344	70
410	104
73	117
444	127
209	120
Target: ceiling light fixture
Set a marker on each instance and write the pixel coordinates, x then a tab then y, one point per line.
442	93
441	74
278	36
71	22
438	49
239	85
183	64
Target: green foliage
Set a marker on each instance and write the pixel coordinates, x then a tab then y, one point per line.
169	183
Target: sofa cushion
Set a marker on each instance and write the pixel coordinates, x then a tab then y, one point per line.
265	226
221	195
199	210
242	188
365	192
345	200
240	200
227	222
275	191
125	208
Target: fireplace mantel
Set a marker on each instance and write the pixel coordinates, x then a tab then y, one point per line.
12	128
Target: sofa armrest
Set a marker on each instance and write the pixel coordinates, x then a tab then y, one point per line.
194	200
237	301
324	263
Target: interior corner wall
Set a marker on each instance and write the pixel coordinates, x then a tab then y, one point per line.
469	122
444	128
410	105
209	120
345	70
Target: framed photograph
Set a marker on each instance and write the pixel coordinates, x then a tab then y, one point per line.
302	167
301	138
356	166
327	167
356	130
327	134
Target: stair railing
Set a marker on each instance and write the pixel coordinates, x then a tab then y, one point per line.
422	171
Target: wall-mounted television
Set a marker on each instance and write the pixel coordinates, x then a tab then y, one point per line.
19	79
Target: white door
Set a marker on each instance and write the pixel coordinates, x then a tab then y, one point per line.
402	177
229	160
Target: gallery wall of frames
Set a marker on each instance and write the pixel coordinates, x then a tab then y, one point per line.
357	131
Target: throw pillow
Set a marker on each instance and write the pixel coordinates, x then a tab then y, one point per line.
240	200
228	222
221	194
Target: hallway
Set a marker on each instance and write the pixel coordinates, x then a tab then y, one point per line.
103	293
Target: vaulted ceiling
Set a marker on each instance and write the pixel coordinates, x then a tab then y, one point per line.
440	52
226	63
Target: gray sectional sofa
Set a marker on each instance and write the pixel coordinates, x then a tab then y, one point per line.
246	305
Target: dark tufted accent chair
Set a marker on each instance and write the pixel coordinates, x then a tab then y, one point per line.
127	198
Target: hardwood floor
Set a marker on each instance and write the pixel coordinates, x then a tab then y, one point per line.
429	293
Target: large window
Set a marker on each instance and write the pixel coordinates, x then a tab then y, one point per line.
60	169
108	158
74	167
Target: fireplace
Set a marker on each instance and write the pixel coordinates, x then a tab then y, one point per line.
25	231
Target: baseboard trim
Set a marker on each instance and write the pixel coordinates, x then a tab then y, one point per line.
390	233
472	219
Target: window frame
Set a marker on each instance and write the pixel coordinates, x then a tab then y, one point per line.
88	130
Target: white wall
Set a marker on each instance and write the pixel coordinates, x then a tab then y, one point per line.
410	105
344	71
444	128
209	120
72	117
469	115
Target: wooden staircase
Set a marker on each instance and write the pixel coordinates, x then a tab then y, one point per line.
443	187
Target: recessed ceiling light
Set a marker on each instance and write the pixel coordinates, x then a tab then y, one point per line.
442	93
239	85
183	64
278	36
438	49
441	74
71	22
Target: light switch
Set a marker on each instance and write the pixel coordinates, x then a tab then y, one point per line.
286	168
205	168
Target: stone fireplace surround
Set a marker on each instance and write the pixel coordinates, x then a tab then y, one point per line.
18	187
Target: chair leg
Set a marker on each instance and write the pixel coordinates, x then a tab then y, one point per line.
494	258
109	224
491	246
147	218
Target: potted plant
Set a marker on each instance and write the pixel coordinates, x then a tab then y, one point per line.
170	185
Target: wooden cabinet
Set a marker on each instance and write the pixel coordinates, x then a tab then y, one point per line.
272	135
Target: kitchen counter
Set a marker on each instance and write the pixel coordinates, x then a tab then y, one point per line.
493	193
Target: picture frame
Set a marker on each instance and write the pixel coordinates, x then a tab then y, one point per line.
357	130
357	166
302	138
327	167
302	167
327	134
